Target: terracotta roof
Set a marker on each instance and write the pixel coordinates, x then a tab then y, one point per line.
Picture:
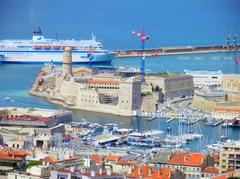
71	159
103	81
227	109
165	172
50	159
231	169
210	169
220	177
102	174
97	158
126	162
104	75
135	173
64	170
8	157
18	152
227	175
82	69
147	172
192	159
8	154
112	157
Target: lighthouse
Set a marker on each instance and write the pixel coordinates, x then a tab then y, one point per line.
67	62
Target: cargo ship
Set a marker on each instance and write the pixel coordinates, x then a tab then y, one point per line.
43	50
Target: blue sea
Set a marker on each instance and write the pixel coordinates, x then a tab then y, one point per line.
168	23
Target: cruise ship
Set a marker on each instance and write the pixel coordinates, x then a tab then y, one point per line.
43	50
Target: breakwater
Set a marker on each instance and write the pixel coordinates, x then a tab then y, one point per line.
177	50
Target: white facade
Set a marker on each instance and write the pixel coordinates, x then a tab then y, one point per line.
35	172
225	115
205	78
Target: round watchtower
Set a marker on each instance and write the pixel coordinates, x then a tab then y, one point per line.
67	62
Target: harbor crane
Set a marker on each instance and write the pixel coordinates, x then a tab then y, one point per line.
236	58
235	41
228	40
143	38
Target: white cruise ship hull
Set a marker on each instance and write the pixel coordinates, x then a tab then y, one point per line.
55	57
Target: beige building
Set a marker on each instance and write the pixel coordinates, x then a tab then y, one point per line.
172	85
92	92
85	89
231	84
108	95
220	101
229	156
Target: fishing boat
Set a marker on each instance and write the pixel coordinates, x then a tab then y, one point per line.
235	122
210	121
152	118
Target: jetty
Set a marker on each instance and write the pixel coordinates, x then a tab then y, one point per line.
218	122
176	50
170	120
193	121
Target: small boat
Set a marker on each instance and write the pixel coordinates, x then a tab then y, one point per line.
151	118
234	122
225	124
223	138
7	98
169	120
210	121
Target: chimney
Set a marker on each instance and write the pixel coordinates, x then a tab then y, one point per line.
93	174
149	172
100	171
72	169
109	172
139	170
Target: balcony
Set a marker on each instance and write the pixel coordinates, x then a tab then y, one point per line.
238	164
238	159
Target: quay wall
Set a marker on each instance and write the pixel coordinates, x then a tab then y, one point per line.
177	50
173	85
85	98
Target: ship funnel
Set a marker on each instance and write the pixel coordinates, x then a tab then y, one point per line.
37	35
37	31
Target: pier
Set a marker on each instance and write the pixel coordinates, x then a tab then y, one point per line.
170	120
177	50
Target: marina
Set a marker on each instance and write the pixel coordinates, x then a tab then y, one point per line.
162	121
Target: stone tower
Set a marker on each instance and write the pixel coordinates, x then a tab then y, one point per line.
67	62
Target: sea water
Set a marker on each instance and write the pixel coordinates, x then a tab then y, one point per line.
168	23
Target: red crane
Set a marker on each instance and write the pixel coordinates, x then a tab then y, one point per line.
143	38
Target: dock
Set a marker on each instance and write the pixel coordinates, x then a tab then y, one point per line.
170	120
177	50
218	122
152	118
193	121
